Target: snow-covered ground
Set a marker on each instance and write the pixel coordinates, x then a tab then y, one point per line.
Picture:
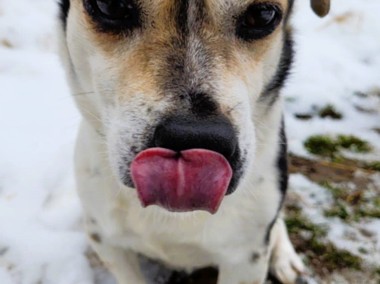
41	237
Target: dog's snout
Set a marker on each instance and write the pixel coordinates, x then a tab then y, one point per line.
214	133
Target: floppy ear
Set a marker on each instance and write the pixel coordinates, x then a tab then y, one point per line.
321	7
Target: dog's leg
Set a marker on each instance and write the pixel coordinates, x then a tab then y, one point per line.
285	264
122	264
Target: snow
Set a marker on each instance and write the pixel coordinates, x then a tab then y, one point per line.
41	235
41	238
337	57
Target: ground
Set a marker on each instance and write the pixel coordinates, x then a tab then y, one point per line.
332	111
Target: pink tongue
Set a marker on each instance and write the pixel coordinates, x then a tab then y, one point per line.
195	179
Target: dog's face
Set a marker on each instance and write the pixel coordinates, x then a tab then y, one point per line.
177	75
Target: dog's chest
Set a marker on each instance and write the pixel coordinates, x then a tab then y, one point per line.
194	240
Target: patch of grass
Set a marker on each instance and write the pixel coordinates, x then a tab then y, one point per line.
376	202
338	210
376	274
326	146
363	250
337	192
329	111
322	256
374	166
367	213
298	223
351	205
361	94
335	258
321	145
303	116
377	130
353	144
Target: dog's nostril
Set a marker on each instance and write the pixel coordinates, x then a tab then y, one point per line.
213	133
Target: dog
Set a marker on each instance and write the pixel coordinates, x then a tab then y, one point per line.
181	153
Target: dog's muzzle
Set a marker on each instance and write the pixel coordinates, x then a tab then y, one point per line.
189	166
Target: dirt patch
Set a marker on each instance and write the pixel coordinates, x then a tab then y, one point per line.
321	171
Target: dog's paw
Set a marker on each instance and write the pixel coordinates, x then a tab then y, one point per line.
286	265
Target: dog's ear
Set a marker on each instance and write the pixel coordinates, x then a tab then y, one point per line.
321	7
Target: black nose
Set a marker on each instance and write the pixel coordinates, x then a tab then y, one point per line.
180	133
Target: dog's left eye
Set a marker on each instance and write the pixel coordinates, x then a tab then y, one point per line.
114	10
258	21
114	15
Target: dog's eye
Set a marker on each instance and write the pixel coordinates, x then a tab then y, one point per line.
115	10
258	21
114	15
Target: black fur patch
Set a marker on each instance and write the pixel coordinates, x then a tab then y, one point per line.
156	272
282	162
202	104
271	92
255	257
200	276
96	237
123	20
282	166
182	17
64	6
290	9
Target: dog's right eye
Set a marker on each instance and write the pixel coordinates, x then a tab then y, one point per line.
114	15
258	21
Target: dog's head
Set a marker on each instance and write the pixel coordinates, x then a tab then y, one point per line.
178	88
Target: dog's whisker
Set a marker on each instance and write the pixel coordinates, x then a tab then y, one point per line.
233	108
82	94
92	115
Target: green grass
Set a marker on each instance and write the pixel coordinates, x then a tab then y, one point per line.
335	258
353	144
321	145
299	223
329	111
374	166
326	146
367	213
338	193
322	255
351	205
338	210
363	250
